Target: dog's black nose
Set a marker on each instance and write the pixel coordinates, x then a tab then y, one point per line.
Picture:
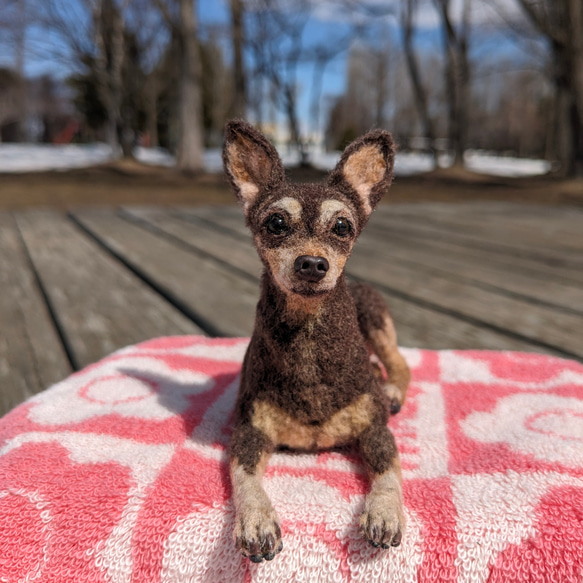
311	268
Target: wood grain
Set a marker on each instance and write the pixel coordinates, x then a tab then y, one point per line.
100	304
219	298
31	354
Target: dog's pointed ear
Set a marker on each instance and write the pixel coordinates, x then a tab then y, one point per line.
365	170
251	162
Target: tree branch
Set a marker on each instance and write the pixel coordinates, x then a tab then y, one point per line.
163	8
542	23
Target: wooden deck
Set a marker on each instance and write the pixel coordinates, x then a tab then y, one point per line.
77	286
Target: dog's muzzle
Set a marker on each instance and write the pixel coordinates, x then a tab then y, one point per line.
309	268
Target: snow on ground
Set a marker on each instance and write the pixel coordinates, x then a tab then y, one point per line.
38	157
502	166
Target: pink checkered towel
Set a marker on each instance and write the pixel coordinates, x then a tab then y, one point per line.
118	474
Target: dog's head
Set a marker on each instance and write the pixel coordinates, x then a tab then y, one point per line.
304	233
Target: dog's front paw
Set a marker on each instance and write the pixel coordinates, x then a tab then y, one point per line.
257	533
382	523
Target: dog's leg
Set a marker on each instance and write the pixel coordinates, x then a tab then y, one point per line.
383	342
382	522
257	532
376	325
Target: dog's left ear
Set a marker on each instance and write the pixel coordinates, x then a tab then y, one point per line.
365	170
251	162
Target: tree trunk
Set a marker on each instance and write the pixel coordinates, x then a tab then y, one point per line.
418	89
565	139
111	136
569	131
239	105
152	111
293	124
103	74
22	92
561	23
190	144
382	66
457	77
575	10
451	96
463	83
117	49
126	134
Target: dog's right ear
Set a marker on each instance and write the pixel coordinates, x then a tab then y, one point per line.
251	162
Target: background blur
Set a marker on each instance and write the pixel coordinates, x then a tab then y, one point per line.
445	76
117	225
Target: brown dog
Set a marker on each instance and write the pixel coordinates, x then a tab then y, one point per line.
307	381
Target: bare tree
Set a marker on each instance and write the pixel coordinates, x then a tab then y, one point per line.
10	109
91	37
407	15
457	75
280	48
561	23
277	44
153	39
109	38
239	105
180	15
14	21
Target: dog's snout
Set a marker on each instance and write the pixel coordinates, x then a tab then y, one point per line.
311	268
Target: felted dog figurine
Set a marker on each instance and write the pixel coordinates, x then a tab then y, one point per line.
307	381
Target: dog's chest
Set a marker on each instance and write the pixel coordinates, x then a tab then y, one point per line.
284	429
316	354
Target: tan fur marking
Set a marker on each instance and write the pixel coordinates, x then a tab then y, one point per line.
384	344
383	506
281	263
247	187
329	209
304	304
283	429
290	205
364	169
256	517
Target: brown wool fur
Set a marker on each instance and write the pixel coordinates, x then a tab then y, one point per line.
307	380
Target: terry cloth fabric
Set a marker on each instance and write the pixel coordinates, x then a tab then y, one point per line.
119	474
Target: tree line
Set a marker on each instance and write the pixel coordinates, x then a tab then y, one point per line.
148	67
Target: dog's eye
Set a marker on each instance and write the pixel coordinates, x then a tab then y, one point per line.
341	227
276	225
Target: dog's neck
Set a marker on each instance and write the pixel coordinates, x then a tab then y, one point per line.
297	310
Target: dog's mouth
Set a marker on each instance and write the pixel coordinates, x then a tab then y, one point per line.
309	290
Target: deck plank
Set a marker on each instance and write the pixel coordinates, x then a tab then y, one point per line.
486	238
521	259
31	354
219	298
539	226
560	331
236	251
101	305
472	269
